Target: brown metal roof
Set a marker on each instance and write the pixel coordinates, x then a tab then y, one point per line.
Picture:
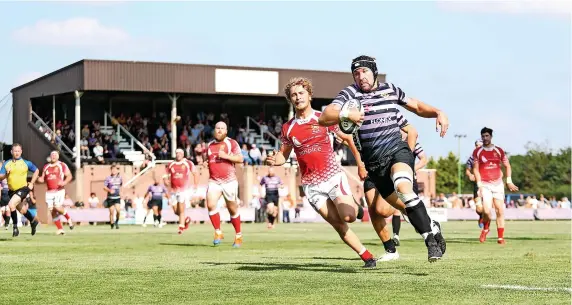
134	76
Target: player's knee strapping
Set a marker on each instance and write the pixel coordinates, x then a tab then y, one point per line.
410	199
413	206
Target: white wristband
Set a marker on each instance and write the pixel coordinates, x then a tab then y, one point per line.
479	184
344	114
508	180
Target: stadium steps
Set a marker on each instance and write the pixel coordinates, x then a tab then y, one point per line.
259	140
133	155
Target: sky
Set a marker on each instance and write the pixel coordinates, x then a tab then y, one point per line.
504	65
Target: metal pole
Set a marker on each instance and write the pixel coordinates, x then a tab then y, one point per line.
173	98
77	129
54	116
459	136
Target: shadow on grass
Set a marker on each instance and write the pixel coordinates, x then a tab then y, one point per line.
6	239
475	240
186	245
337	258
286	266
312	267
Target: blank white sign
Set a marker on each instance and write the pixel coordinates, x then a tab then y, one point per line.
246	81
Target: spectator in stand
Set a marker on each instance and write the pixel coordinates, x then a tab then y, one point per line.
85	131
521	202
564	203
287	205
93	201
245	155
164	154
156	146
554	202
196	133
255	155
200	152
189	151
84	149
160	132
543	203
208	132
98	152
454	200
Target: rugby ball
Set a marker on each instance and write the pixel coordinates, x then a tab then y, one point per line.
346	125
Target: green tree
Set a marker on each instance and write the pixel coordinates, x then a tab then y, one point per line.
446	175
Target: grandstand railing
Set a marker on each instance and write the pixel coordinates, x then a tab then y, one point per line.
133	141
54	139
276	140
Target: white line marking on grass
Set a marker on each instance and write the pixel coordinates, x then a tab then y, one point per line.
516	287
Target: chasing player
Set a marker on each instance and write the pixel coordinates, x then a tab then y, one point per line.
56	175
469	173
16	171
488	175
177	178
112	186
222	155
381	209
418	153
390	163
154	202
323	180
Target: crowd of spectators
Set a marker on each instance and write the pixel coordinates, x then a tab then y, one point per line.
154	133
523	202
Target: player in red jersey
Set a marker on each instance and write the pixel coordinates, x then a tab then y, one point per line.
323	180
177	177
488	175
56	175
222	154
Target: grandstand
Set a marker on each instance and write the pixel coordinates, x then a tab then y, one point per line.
129	109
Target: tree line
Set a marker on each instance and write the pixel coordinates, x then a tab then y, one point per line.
539	171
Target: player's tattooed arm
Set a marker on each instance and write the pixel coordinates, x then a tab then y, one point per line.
330	116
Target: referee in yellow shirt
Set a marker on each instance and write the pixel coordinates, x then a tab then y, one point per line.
16	171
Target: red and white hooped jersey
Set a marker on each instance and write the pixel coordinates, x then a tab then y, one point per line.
489	160
180	172
220	170
313	148
54	173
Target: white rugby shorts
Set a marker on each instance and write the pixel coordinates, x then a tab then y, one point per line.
492	190
55	199
181	196
229	190
336	186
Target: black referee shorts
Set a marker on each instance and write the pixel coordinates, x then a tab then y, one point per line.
21	192
271	197
379	174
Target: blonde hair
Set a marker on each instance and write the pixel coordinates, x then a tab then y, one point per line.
298	81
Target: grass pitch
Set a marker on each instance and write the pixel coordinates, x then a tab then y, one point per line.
293	264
